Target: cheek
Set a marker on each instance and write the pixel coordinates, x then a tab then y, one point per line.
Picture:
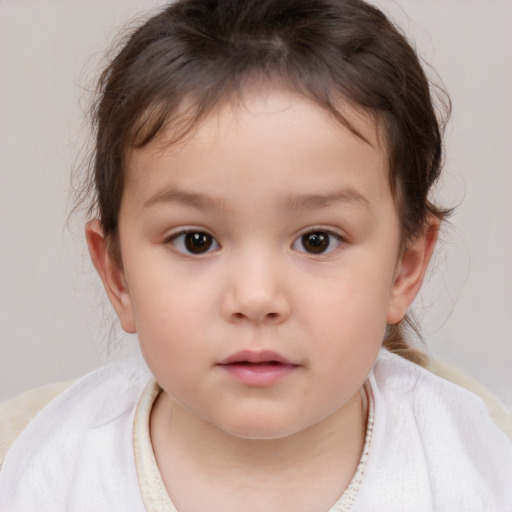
349	346
350	302
173	344
163	292
169	314
347	318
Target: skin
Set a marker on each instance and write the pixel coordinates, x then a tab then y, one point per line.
254	179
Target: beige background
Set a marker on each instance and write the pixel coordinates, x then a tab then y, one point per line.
54	323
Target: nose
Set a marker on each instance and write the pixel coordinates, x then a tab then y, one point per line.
256	292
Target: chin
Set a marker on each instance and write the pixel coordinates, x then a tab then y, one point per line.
259	429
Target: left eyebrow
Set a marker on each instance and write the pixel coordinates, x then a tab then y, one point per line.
315	201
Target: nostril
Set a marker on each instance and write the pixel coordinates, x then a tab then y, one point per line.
267	316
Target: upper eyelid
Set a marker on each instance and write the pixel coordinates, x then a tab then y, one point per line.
184	231
322	229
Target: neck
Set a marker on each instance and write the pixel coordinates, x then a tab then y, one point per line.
238	473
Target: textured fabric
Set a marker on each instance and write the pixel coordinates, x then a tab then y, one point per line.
154	494
497	411
76	455
433	448
16	413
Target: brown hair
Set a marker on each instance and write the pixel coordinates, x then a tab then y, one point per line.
199	52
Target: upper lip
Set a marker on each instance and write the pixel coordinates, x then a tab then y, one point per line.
250	356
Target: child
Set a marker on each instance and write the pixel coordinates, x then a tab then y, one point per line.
262	222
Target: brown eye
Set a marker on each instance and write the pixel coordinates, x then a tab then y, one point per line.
198	243
317	242
194	242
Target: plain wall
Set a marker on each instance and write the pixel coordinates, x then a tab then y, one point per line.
54	322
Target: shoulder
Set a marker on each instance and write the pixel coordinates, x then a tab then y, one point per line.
437	403
16	413
441	388
436	439
498	413
83	436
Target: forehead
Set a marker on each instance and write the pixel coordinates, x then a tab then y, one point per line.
266	128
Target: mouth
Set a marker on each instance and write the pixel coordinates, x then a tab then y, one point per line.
257	369
256	358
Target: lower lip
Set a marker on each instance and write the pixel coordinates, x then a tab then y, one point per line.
258	375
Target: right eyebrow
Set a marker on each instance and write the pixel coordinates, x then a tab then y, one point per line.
185	198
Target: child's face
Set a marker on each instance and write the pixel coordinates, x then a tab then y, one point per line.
269	236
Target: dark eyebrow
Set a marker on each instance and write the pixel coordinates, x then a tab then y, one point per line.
185	198
314	201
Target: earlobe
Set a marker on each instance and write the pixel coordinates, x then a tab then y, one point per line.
111	274
411	271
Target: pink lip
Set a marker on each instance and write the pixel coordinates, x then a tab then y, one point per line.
257	369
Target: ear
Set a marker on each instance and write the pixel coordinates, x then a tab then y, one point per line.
411	270
111	275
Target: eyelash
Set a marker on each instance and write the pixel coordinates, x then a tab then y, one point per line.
206	243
